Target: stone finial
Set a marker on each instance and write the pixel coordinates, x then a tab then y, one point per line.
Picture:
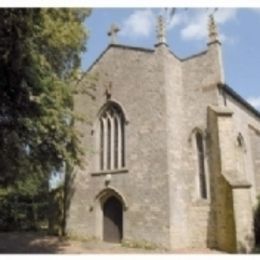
112	33
161	30
212	30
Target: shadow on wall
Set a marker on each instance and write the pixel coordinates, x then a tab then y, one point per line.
211	225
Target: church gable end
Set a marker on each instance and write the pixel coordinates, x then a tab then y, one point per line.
163	141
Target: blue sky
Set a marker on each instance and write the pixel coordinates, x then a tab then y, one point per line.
187	35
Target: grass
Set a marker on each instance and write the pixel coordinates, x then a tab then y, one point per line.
79	238
139	244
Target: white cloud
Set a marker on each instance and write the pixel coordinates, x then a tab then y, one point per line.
194	22
138	24
254	101
178	19
224	15
196	28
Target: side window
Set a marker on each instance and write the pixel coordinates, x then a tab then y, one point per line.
201	165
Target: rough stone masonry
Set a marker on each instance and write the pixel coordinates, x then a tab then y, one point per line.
172	153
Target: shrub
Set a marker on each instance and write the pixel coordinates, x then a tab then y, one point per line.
257	223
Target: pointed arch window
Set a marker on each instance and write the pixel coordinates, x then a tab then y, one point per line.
201	166
111	138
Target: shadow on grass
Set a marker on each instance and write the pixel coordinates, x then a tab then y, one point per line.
26	243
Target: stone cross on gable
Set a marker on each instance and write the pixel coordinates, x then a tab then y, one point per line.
112	33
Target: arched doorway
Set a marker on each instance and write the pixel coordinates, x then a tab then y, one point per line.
112	220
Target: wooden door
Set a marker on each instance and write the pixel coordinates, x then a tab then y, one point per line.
113	220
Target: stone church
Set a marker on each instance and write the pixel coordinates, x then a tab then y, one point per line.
173	153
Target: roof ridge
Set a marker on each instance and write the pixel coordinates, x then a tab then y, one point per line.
132	47
117	46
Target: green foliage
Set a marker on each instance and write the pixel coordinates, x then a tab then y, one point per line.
23	207
40	57
40	53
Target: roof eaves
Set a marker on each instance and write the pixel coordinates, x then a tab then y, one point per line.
239	99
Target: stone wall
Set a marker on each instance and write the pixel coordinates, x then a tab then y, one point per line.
202	73
165	101
255	146
244	122
137	83
234	218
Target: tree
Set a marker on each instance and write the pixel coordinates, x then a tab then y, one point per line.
40	53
